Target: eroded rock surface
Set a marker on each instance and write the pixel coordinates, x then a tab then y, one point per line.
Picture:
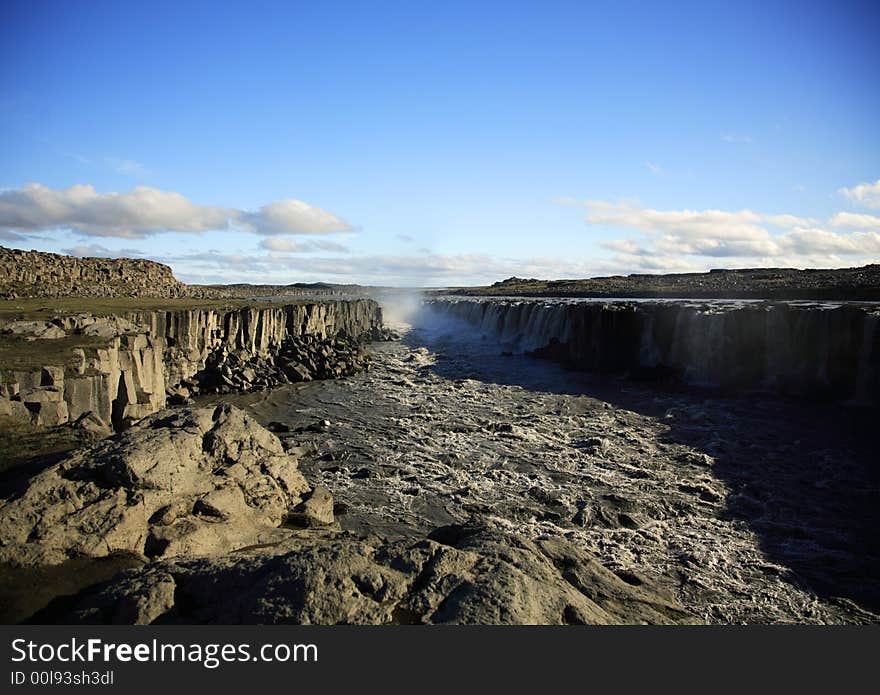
470	575
187	482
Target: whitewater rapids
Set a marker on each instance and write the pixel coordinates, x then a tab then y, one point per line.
746	508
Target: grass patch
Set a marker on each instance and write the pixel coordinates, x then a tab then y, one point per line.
22	443
17	353
47	309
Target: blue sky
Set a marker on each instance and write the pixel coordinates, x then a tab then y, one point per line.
442	143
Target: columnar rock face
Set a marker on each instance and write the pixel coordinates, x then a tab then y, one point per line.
804	350
192	335
144	354
38	274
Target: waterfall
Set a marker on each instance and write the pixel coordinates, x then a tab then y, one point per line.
805	350
867	373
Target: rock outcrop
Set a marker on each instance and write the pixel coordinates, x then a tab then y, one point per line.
202	497
805	350
460	575
185	482
854	284
39	274
128	364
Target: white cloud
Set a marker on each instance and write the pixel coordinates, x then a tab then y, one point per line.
693	224
287	245
820	241
741	237
98	251
280	244
789	221
401	270
852	220
292	217
867	194
738	138
145	210
655	169
129	167
627	246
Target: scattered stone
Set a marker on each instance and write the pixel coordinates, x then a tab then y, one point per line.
296	359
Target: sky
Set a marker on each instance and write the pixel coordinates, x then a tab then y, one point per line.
437	144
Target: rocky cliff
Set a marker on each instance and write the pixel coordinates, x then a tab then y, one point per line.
122	367
815	350
38	274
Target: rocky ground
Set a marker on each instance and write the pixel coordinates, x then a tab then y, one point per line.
215	524
745	509
455	483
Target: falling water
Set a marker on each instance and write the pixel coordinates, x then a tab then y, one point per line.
806	350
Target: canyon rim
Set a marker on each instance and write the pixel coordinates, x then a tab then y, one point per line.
193	454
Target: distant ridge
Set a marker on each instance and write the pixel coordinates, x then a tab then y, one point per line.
854	284
42	274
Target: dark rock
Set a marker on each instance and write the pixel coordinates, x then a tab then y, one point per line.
470	575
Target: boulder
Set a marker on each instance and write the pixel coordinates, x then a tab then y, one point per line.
14	409
192	481
35	330
42	394
315	510
47	413
92	425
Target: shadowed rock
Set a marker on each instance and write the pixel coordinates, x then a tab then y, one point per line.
472	576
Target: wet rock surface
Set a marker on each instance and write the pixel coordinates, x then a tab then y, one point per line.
745	509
